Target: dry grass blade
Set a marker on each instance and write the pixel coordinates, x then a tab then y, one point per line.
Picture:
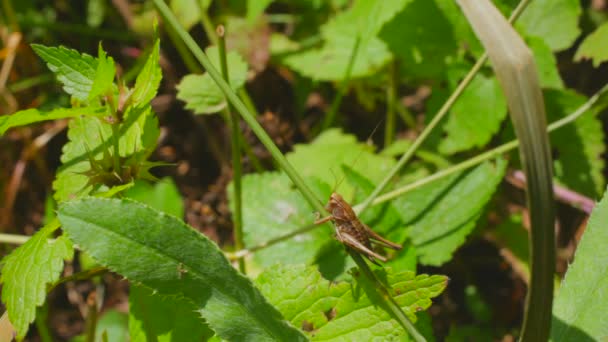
516	71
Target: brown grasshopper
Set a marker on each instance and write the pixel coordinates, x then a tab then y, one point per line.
352	232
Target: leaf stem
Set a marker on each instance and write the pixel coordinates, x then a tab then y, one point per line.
240	107
207	23
392	306
237	167
331	115
436	119
391	94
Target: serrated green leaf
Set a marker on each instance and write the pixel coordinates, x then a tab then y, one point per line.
594	46
554	21
580	145
104	75
267	215
546	62
472	122
163	196
136	136
148	80
200	92
332	149
364	21
440	215
343	311
33	115
580	305
422	38
76	71
28	270
168	256
153	317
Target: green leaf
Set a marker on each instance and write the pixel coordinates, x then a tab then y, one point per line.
137	137
104	75
332	149
554	21
153	317
148	80
33	115
579	146
422	38
28	270
580	305
364	20
163	196
546	63
594	46
111	326
343	311
472	122
76	71
272	208
200	92
441	214
165	254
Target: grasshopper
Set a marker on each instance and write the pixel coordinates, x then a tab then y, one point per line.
351	231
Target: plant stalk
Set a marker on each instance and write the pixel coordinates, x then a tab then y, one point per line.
237	167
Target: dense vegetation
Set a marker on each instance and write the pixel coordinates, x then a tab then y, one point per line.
163	164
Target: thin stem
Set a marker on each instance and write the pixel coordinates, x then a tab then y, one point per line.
27	83
244	95
14	239
237	167
392	306
257	165
240	107
436	119
91	319
488	155
207	23
331	115
391	94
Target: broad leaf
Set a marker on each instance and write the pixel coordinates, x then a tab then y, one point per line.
33	115
472	122
104	75
343	311
594	46
546	62
332	149
580	305
153	317
111	326
363	20
272	208
148	80
163	253
76	71
441	214
422	38
200	92
579	146
28	270
554	21
188	12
